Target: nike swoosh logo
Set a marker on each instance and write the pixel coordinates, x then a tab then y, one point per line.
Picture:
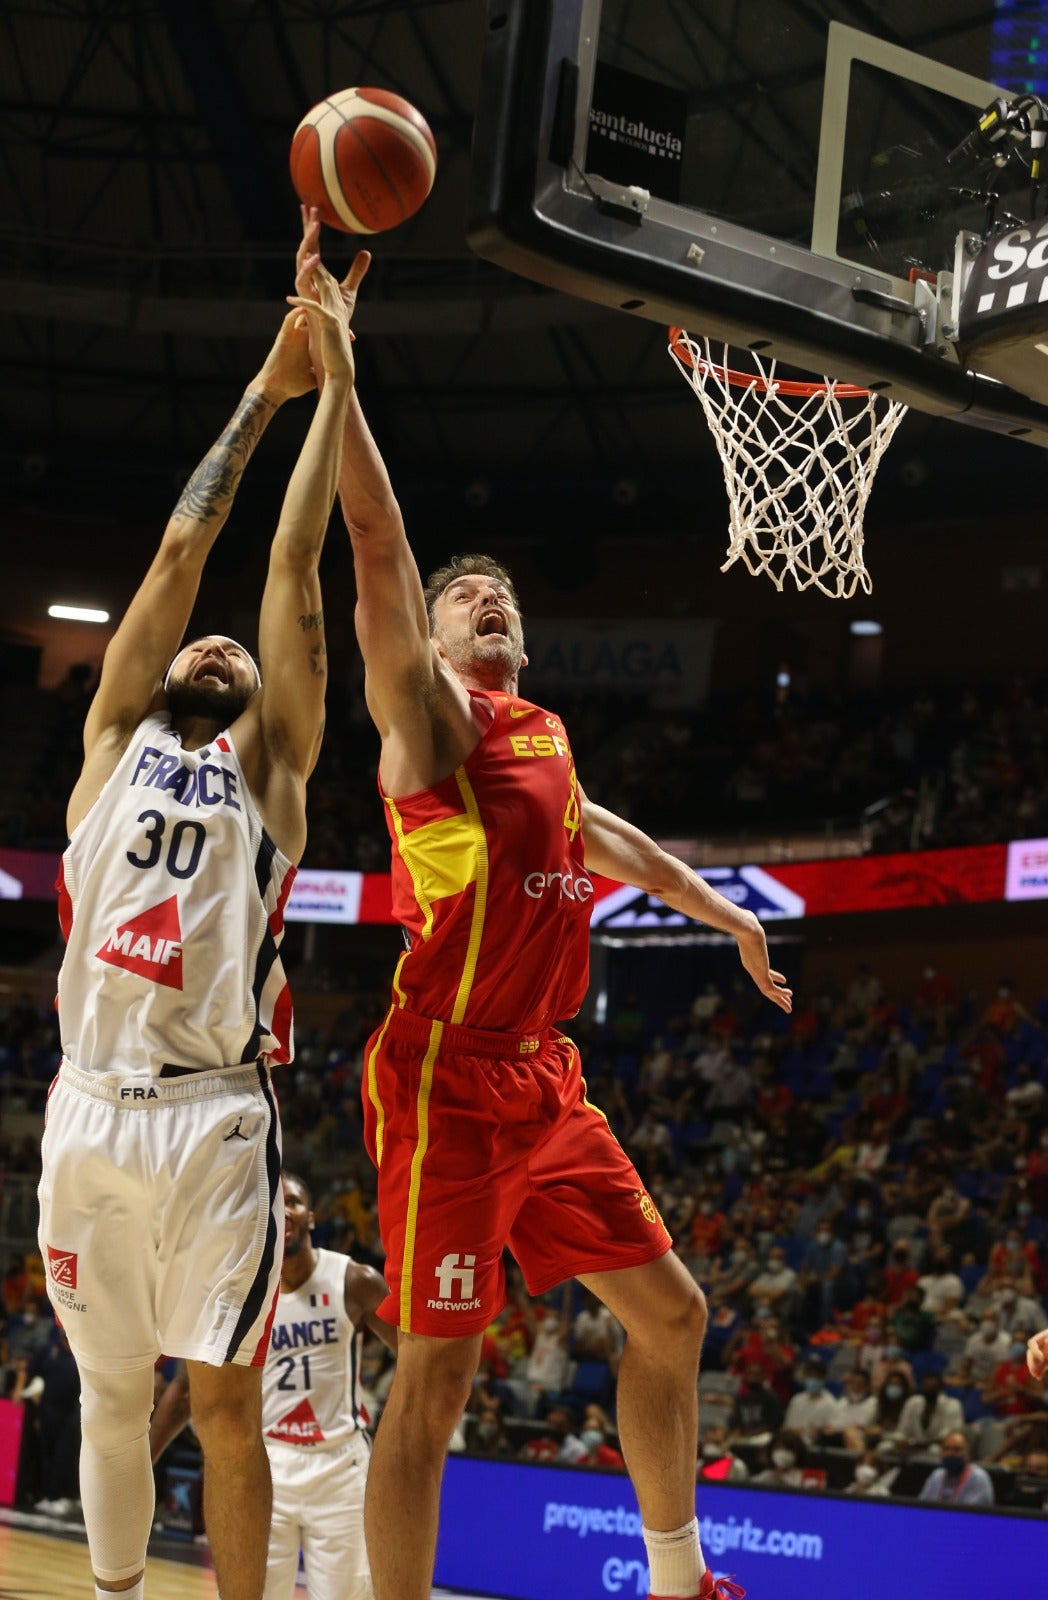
521	711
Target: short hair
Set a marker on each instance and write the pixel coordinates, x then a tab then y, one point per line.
293	1177
466	567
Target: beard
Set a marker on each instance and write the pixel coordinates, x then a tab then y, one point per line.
478	656
214	702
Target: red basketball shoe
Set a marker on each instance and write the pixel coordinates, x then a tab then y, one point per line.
712	1588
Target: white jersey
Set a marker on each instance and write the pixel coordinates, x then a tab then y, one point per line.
311	1380
171	900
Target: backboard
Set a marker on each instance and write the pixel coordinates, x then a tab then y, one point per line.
754	172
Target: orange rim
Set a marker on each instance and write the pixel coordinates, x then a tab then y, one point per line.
753	380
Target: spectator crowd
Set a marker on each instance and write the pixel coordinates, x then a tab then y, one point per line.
861	1188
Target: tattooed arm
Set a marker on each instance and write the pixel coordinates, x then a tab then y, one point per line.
153	625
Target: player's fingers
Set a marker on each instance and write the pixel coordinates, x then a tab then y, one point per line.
357	272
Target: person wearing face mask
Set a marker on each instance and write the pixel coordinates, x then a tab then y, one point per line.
942	1289
756	1408
984	1350
813	1410
776	1281
1017	1258
821	1267
787	1469
487	1437
717	1463
1012	1389
595	1428
871	1478
891	1398
957	1480
1016	1312
929	1416
856	1410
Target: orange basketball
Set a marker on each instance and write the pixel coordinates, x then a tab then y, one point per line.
365	158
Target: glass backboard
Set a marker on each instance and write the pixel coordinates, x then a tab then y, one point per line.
759	172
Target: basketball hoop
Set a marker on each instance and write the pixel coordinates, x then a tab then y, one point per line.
799	462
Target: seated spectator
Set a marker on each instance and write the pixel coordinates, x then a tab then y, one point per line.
946	1213
929	1416
812	1412
856	1410
596	1336
485	1435
788	1467
764	1346
728	1281
593	1437
912	1327
984	1350
716	1462
957	1480
820	1269
757	1409
891	1398
899	1275
942	1289
1018	1260
872	1476
1012	1389
559	1443
1017	1313
776	1281
1031	1482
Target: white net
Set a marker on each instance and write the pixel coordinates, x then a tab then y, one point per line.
799	462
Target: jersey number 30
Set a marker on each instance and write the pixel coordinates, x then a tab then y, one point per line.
184	845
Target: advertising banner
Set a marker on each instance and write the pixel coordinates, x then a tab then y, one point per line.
546	1532
971	875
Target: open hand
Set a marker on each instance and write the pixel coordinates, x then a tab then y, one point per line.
287	371
753	952
307	255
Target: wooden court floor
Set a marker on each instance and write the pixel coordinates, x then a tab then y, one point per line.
53	1565
37	1565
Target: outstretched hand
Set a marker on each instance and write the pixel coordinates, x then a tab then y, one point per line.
753	952
327	327
287	370
307	255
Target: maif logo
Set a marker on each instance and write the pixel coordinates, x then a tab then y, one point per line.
61	1264
149	945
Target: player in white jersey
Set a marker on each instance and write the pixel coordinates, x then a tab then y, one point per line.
160	1204
312	1412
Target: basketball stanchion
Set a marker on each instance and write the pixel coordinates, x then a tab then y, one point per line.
799	460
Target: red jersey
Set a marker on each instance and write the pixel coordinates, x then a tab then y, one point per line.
489	882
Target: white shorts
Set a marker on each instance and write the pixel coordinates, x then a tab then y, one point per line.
162	1218
318	1506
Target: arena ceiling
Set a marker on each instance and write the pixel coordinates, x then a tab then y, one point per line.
147	226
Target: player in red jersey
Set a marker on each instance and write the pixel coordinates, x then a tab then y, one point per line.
475	1106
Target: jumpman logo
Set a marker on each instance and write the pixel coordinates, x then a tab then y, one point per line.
236	1134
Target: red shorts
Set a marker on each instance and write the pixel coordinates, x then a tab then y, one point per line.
483	1140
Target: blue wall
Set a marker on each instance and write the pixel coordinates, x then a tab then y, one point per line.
544	1533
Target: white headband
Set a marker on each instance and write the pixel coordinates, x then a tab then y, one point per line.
223	638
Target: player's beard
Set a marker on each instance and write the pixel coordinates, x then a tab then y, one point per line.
214	702
474	656
294	1243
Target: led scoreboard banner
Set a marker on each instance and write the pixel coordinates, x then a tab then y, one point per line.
972	875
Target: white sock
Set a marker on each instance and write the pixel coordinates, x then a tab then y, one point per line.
675	1564
137	1591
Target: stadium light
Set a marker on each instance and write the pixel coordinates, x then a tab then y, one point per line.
78	614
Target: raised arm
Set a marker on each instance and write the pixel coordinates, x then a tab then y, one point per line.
618	850
152	627
392	626
291	623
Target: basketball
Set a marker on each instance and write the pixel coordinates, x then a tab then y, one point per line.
365	158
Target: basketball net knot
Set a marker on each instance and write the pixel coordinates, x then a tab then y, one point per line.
799	460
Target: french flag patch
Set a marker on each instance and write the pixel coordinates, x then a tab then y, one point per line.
319	1300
